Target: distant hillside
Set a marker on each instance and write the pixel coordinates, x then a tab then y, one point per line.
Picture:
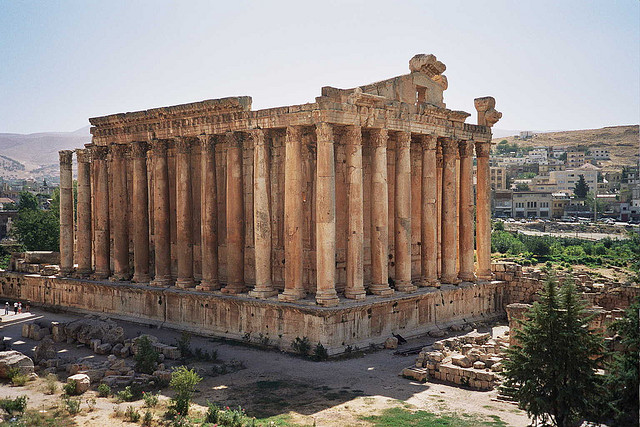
36	155
623	142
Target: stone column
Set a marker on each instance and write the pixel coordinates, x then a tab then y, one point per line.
83	236
262	217
184	218
235	215
293	251
379	215
140	211
439	164
466	212
449	207
101	199
120	213
483	211
355	228
161	217
402	218
209	215
429	238
66	212
325	217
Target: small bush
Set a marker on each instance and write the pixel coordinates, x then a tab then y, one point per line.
150	399
320	353
213	413
70	388
104	390
301	346
19	379
117	412
91	404
147	357
147	418
51	383
183	382
184	345
132	414
14	406
125	395
72	405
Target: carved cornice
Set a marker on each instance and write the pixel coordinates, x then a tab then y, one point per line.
83	155
466	148
483	149
139	149
66	157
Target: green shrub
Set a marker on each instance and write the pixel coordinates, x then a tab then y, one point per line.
104	390
147	357
147	418
184	345
51	383
213	413
183	382
301	346
72	405
132	414
70	388
19	379
320	353
13	406
125	395
150	399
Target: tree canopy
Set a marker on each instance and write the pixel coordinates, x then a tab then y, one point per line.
582	188
37	229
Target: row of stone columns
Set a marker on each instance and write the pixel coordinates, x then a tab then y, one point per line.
442	218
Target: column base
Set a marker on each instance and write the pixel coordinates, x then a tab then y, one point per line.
467	277
185	283
405	287
234	289
100	275
381	290
120	278
263	292
66	272
208	285
162	281
142	278
355	294
327	298
485	276
430	282
292	295
83	272
451	280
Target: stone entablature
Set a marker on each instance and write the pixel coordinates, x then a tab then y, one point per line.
332	198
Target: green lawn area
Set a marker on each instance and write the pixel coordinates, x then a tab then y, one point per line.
394	417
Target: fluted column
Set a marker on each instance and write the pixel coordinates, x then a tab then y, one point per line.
83	234
355	228
161	211
466	212
402	211
120	213
325	217
184	218
449	207
235	215
262	217
101	245
209	215
140	211
483	211
66	212
379	215
429	230
293	287
439	164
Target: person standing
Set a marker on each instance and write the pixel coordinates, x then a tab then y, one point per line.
19	307
15	307
6	308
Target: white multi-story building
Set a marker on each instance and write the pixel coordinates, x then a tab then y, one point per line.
537	155
600	154
566	180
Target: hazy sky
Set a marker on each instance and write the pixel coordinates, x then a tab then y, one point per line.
551	65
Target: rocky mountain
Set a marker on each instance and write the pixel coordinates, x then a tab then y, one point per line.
623	142
36	155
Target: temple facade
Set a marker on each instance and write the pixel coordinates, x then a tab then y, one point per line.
365	192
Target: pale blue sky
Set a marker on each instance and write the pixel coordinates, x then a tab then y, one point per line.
549	64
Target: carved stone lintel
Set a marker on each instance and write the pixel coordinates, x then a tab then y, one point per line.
429	142
379	137
466	148
139	149
427	64
66	157
483	149
99	152
83	155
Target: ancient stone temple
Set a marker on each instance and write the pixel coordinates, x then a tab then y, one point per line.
230	221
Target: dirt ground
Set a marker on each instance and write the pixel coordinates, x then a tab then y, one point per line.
275	384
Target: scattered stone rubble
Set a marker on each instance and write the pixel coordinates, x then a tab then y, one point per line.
44	263
12	360
473	360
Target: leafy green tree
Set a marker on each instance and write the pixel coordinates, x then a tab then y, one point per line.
37	229
27	201
522	186
551	370
582	188
622	382
147	357
183	382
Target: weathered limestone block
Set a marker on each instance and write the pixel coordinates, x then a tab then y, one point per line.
82	382
418	374
391	343
44	351
478	365
12	359
57	332
103	348
461	360
26	330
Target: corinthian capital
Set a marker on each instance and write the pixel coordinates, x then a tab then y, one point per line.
449	146
466	148
429	142
99	152
139	149
83	155
483	149
403	140
379	137
66	157
487	114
